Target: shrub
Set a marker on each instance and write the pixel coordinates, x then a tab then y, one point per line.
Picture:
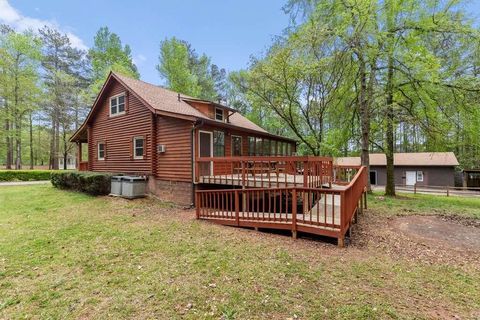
24	175
93	183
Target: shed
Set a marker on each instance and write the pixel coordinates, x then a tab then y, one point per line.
421	168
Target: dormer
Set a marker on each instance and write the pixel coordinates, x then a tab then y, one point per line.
213	110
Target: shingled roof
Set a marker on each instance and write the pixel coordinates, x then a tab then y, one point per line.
405	159
163	101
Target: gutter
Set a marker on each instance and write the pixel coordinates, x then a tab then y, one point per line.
196	125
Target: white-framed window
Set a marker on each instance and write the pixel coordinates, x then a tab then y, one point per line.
101	151
138	147
420	176
219	114
117	104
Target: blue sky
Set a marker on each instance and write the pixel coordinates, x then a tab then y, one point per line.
229	31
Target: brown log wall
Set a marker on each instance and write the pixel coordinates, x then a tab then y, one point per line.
176	163
117	133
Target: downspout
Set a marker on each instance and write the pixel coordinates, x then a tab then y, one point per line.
197	124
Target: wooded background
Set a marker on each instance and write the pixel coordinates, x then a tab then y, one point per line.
343	78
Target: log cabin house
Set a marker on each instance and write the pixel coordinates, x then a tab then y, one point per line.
200	152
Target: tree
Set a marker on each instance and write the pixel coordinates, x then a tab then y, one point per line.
63	73
108	54
19	56
304	79
174	68
186	72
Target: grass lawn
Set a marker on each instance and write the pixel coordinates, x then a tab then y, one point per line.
69	255
408	203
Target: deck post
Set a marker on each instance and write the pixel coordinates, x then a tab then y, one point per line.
197	205
360	207
365	200
341	242
305	174
294	213
237	209
79	155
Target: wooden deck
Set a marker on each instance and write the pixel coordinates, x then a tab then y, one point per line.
306	199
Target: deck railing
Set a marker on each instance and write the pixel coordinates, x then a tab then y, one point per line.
343	174
322	211
265	171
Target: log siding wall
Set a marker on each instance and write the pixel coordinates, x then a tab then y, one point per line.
118	132
176	163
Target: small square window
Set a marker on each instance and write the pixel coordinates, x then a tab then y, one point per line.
420	176
101	151
139	147
218	114
117	105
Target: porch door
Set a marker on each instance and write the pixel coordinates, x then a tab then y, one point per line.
205	147
411	178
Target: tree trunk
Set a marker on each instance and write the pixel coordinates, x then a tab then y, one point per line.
31	139
57	144
65	149
18	142
8	141
364	113
390	141
390	116
51	161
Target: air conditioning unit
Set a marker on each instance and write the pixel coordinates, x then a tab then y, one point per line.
161	148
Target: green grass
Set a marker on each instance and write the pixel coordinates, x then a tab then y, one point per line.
407	203
69	255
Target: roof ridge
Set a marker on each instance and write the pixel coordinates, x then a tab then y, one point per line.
151	84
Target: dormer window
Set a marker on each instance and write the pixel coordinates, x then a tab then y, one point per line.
219	114
117	105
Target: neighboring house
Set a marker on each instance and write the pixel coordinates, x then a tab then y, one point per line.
71	162
139	128
421	168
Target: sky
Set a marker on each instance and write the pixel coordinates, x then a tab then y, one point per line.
229	31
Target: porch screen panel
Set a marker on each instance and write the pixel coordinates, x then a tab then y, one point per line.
259	147
251	146
218	144
236	146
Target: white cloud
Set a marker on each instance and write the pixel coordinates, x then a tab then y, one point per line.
9	15
139	59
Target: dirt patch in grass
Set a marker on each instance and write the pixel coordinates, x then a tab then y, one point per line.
439	231
426	238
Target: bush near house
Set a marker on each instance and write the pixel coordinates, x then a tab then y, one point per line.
93	183
24	175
